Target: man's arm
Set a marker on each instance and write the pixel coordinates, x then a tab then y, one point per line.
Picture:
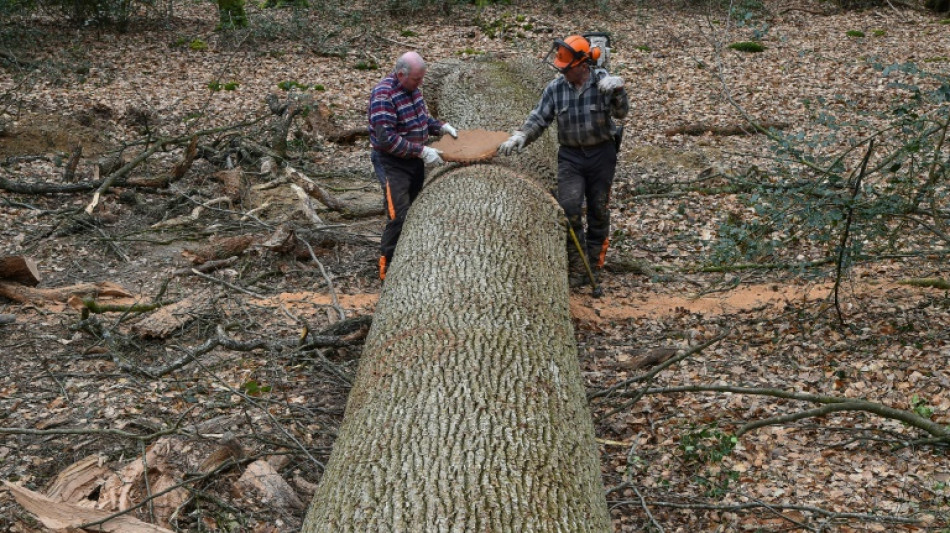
540	117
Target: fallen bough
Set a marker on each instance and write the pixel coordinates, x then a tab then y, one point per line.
468	412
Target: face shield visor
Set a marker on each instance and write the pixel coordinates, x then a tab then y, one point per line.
562	57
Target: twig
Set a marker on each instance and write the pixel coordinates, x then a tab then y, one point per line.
146	501
231	286
646	509
336	302
832	404
791	507
846	232
268	414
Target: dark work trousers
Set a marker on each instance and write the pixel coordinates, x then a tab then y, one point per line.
402	181
587	173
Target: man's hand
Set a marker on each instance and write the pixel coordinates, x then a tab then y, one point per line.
513	145
432	156
610	84
449	129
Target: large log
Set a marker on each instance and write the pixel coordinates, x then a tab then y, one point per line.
468	412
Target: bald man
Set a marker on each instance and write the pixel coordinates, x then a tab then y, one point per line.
399	126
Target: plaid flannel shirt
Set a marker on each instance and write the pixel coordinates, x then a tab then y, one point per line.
583	115
399	122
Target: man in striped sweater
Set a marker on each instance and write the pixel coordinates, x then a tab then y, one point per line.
399	126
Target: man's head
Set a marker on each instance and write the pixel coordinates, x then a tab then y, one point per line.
410	70
571	54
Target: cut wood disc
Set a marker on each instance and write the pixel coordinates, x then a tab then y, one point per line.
472	146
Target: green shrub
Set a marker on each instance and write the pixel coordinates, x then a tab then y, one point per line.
643	48
290	84
747	46
879	33
365	65
811	208
854	33
198	45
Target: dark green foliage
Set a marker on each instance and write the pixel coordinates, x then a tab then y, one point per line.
231	14
286	3
114	13
290	85
365	65
854	33
747	46
939	6
820	204
707	444
859	4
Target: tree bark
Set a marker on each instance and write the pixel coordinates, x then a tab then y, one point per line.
468	412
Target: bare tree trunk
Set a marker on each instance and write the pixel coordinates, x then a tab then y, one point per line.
468	412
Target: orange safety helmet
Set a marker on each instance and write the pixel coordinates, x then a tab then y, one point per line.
572	51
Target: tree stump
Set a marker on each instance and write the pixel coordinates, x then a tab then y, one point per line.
20	269
468	412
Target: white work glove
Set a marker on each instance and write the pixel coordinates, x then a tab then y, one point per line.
513	145
449	129
610	84
431	156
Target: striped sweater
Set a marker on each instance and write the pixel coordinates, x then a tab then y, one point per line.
399	122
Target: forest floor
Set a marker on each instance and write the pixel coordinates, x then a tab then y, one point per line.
109	384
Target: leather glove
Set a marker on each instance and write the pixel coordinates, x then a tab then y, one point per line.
513	145
449	129
431	156
610	84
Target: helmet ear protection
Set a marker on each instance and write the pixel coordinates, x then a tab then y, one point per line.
571	52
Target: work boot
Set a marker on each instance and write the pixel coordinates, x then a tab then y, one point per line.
576	272
576	280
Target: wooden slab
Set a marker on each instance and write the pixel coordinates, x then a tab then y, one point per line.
472	146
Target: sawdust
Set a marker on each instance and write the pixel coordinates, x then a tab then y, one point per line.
631	305
471	145
625	304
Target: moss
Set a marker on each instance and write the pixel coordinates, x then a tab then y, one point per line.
408	33
365	65
747	46
879	33
643	48
855	33
198	45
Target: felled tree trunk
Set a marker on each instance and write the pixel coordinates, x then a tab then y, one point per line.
468	412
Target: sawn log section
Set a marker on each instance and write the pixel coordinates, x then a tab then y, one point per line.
468	411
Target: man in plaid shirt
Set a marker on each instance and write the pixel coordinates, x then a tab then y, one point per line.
584	101
399	126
